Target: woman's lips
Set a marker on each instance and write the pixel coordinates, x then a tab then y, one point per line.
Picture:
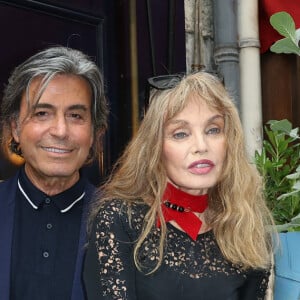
201	167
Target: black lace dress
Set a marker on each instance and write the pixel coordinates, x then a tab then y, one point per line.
190	270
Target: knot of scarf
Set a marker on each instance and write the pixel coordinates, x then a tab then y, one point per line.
180	207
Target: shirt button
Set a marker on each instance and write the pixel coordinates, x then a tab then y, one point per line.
47	200
49	226
45	254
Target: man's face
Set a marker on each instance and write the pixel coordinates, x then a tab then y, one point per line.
55	137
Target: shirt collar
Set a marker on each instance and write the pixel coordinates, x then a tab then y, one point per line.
64	200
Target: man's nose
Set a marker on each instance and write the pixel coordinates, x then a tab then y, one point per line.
59	126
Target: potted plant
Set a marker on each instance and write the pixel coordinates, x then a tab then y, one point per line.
279	164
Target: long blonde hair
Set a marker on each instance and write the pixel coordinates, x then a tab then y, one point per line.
237	211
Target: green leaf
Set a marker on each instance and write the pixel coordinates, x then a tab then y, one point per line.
281	125
294	228
296	220
297	32
284	24
279	164
296	186
283	196
283	227
294	133
285	45
293	176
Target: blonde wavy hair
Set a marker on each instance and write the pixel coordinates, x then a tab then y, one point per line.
237	214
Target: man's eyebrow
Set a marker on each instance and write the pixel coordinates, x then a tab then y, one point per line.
42	105
71	107
78	106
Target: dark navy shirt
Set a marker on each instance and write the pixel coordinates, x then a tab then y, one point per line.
45	241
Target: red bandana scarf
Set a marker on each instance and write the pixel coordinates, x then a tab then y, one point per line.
179	206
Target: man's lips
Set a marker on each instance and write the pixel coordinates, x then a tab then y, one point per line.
201	167
56	150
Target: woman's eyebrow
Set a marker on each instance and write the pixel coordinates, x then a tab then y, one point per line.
184	122
177	122
215	117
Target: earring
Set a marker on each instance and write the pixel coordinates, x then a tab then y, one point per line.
15	147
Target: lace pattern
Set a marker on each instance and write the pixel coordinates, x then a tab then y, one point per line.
198	259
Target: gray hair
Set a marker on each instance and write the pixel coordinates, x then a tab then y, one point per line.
47	64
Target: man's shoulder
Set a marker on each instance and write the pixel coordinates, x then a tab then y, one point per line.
8	190
8	183
90	191
90	187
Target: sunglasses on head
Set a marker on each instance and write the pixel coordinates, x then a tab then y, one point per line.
165	82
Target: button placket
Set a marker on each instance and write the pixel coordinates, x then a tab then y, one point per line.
48	247
49	226
47	200
45	254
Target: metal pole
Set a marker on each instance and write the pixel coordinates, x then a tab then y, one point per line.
134	67
226	45
251	108
151	40
171	20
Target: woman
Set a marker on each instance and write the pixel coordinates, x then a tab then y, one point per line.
182	216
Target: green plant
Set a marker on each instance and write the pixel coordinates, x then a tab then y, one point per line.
279	160
285	25
279	164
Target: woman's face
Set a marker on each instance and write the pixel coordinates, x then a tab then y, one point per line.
194	147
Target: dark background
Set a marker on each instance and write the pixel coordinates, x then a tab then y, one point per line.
101	29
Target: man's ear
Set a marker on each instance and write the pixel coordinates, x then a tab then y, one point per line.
14	130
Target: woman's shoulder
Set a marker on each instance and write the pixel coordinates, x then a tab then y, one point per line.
121	211
120	206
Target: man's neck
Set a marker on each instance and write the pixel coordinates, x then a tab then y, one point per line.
51	185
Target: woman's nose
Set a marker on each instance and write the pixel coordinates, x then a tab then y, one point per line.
199	144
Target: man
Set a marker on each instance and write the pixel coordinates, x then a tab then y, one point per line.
53	114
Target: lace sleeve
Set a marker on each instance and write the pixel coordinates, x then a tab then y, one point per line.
112	262
255	286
